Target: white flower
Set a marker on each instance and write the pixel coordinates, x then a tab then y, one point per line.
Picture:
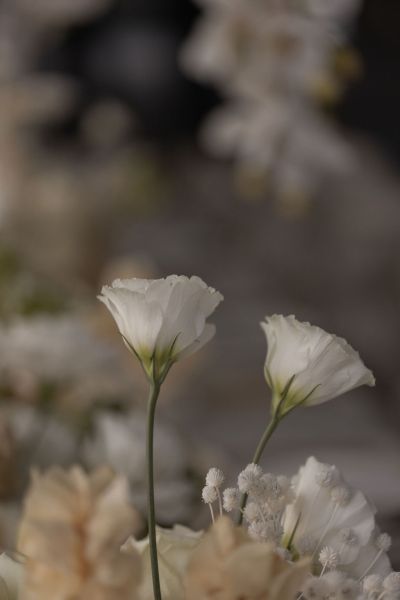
209	494
231	498
162	320
316	365
11	575
175	547
55	349
273	62
349	529
119	441
215	477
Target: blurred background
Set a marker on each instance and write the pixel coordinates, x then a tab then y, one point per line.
256	147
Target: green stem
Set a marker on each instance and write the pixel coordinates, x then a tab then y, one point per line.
153	395
272	425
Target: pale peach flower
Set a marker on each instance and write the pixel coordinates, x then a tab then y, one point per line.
71	533
228	565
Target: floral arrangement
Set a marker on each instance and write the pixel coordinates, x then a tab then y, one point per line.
271	537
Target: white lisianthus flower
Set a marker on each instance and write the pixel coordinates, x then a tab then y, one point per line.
162	320
11	576
174	547
308	365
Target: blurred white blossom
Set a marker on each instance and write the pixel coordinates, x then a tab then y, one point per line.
274	63
119	441
60	354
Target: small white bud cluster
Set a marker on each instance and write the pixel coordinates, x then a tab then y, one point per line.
249	480
372	586
315	588
391	583
268	497
383	542
215	478
328	558
231	499
268	530
333	585
265	488
211	493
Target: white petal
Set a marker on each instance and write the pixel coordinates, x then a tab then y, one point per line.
138	321
206	336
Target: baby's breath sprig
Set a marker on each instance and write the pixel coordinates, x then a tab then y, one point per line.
211	491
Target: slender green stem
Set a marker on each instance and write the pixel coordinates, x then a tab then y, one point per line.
272	425
153	395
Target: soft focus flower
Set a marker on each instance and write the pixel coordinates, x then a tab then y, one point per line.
328	513
309	365
71	533
161	320
273	62
57	356
120	442
175	547
11	577
228	565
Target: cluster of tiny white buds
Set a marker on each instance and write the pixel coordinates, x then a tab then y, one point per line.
209	494
332	585
252	512
391	583
383	542
348	590
315	588
348	537
327	476
254	469
372	584
249	480
266	531
340	495
334	578
328	558
231	499
215	478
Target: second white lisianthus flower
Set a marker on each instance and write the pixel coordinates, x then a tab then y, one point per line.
308	365
162	320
